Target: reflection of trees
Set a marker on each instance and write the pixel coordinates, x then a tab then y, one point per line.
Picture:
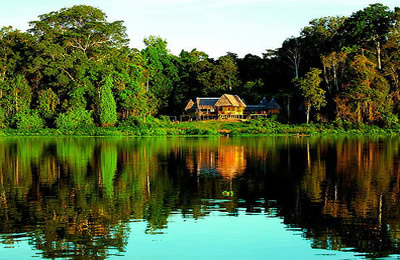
66	214
342	192
76	196
354	184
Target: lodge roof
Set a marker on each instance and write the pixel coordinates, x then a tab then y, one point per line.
230	101
206	102
189	105
255	107
264	101
273	105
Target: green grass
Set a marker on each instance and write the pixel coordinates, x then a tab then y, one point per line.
156	127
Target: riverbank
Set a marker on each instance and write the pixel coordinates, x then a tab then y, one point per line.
156	127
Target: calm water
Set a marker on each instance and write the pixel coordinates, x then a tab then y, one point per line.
200	198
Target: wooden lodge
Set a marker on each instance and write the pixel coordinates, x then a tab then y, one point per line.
228	106
264	108
210	107
273	107
203	107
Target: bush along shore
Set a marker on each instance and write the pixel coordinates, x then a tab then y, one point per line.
150	126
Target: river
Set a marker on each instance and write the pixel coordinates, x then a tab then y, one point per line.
200	198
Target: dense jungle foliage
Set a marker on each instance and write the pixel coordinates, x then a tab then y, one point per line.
75	68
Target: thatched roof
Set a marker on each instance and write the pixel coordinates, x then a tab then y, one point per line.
264	101
206	103
227	100
189	105
273	105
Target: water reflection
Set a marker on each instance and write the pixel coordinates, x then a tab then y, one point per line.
355	186
74	197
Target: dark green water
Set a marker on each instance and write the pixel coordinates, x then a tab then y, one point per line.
200	198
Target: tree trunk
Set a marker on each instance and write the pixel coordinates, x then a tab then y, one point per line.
288	109
370	114
2	79
358	112
378	54
308	113
326	78
16	102
335	79
308	155
395	76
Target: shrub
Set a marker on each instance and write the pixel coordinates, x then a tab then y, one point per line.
389	119
47	102
3	121
133	121
74	119
144	122
28	120
199	131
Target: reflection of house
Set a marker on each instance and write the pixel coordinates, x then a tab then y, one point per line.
202	161
231	161
229	106
226	105
228	161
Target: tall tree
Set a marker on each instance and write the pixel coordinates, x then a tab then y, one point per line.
322	30
76	49
318	38
16	49
130	84
368	29
292	51
314	95
161	68
391	52
364	99
194	68
334	68
107	106
223	77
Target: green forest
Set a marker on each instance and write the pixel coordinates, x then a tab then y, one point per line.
73	68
